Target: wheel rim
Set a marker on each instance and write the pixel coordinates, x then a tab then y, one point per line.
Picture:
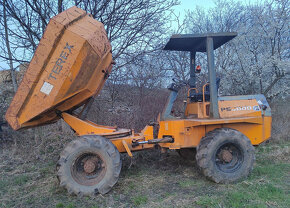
88	169
229	158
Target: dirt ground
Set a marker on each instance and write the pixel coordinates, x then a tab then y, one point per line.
27	179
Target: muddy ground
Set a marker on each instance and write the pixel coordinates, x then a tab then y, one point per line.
27	179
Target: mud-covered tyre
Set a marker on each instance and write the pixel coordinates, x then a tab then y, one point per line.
187	153
89	165
225	155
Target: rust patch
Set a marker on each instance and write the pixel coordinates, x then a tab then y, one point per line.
226	156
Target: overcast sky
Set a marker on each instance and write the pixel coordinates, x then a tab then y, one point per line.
190	4
185	4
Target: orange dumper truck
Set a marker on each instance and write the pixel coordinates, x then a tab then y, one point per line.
70	66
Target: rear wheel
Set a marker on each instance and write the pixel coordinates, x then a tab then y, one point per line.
187	153
225	155
89	165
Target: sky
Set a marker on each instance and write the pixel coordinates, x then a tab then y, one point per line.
191	4
207	4
184	5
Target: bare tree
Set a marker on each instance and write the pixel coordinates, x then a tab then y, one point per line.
257	61
130	24
12	70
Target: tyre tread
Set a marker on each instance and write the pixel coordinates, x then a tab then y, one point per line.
209	141
93	141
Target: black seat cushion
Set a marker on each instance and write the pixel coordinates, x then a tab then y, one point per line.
198	97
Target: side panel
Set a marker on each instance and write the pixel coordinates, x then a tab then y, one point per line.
257	133
241	104
239	108
189	133
188	136
41	100
197	110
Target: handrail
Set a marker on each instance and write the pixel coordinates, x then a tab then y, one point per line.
203	99
203	87
188	92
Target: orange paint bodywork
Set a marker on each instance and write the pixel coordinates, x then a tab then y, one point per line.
121	138
239	108
243	115
70	65
188	132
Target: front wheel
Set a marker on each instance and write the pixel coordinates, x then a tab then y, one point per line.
225	155
89	165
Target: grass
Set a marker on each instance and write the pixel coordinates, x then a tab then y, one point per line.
171	182
21	180
138	200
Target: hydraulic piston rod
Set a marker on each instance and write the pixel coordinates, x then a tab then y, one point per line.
153	141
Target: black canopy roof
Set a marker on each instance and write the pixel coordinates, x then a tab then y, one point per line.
197	42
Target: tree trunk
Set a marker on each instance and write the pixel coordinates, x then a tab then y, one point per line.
272	85
12	70
59	6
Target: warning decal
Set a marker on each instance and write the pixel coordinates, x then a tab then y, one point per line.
46	88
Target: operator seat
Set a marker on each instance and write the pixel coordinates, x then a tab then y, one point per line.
198	97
